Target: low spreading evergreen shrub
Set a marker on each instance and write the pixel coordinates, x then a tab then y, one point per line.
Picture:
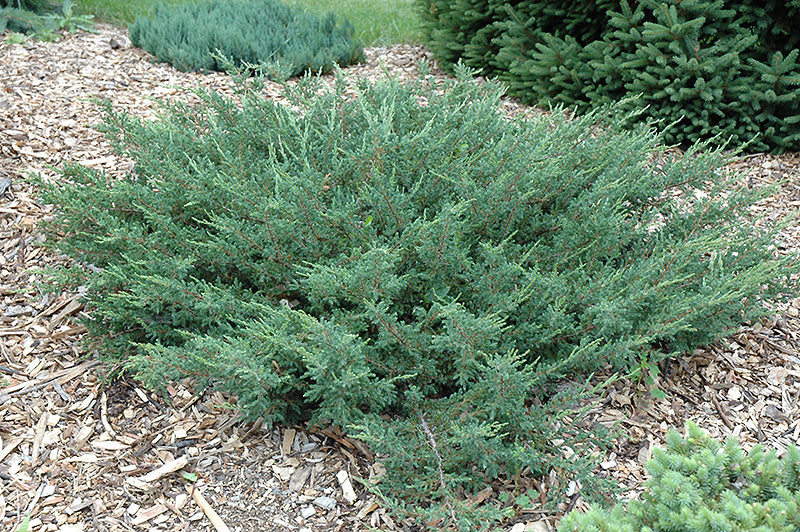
698	484
207	34
722	69
407	263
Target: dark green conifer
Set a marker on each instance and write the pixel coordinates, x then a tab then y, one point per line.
722	69
36	6
13	19
25	16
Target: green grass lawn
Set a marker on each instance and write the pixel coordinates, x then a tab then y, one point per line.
377	22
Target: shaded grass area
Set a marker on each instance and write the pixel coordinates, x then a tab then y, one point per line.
376	22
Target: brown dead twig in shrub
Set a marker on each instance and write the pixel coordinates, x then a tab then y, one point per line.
432	441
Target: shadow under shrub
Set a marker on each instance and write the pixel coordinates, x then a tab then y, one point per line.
407	263
207	34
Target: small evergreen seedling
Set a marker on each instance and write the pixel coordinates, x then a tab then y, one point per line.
209	34
698	484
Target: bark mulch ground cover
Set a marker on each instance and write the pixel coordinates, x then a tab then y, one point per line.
78	453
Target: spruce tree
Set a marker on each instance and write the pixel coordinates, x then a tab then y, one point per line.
36	6
710	69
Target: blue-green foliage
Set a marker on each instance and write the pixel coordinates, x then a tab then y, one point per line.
205	34
723	69
407	254
698	484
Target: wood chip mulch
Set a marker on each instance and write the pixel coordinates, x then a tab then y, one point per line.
80	455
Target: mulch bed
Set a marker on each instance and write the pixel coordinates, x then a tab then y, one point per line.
80	453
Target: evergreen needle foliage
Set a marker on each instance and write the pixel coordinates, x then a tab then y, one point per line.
698	484
14	20
283	40
37	6
407	263
722	69
25	16
43	23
